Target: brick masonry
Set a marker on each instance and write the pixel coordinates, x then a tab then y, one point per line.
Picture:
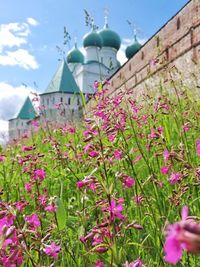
176	44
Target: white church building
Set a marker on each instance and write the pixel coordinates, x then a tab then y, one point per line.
61	102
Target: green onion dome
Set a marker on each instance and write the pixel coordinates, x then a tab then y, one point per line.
132	49
75	56
110	38
92	39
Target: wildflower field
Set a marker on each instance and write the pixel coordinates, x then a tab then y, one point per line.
121	189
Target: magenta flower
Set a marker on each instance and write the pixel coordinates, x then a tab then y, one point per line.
98	263
111	137
115	210
80	184
174	246
40	174
52	250
118	154
33	220
186	127
138	199
51	208
2	158
153	134
93	154
27	148
165	155
128	182
136	263
175	177
198	146
165	169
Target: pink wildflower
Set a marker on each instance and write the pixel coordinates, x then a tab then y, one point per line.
115	210
27	148
165	155
98	263
111	137
128	182
198	146
118	154
2	158
33	220
153	134
165	169
186	127
40	174
51	208
138	199
183	235
136	263
28	187
93	154
52	250
175	177
80	184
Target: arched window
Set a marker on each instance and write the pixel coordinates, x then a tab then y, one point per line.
129	67
61	99
69	101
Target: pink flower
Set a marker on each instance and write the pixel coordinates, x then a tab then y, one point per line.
115	210
198	146
2	158
35	124
136	263
98	263
93	154
128	182
52	250
27	148
111	137
20	205
40	174
153	134
138	199
80	184
118	154
186	127
180	236
165	169
28	187
165	155
175	177
33	220
51	208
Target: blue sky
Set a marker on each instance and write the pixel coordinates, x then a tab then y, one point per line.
31	30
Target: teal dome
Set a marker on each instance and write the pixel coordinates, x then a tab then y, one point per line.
132	49
110	38
75	56
92	39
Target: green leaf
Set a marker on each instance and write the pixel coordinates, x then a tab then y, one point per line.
61	215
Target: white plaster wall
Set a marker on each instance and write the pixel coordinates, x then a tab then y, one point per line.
17	128
108	55
92	53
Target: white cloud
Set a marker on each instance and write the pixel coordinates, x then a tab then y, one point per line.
3	131
20	57
32	22
13	34
121	57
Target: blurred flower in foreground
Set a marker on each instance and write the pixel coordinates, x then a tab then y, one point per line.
183	235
